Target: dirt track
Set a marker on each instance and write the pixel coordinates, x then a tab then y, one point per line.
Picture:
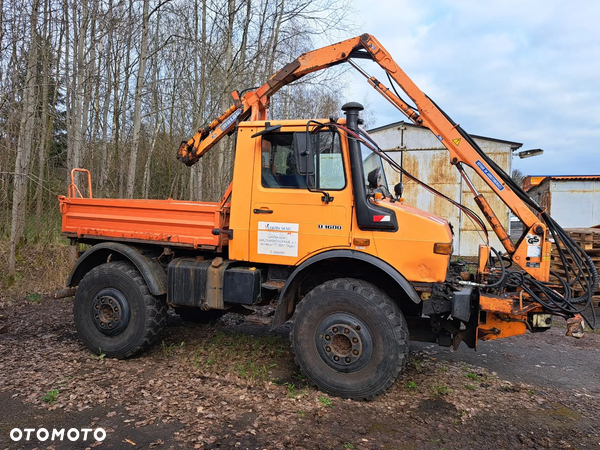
216	386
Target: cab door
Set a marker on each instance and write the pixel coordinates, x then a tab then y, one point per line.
297	213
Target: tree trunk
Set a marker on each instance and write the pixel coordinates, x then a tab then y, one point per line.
137	112
24	145
45	124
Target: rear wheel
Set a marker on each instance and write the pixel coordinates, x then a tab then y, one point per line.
350	338
114	312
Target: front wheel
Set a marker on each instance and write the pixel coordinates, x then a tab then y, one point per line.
350	338
114	312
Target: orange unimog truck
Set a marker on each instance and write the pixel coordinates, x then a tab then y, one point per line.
308	225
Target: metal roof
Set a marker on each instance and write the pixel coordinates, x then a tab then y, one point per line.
514	145
532	181
573	177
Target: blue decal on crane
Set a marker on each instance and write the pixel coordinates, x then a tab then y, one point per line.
488	174
227	123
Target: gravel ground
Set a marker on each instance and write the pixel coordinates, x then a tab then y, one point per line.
233	384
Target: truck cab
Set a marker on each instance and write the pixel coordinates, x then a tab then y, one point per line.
295	203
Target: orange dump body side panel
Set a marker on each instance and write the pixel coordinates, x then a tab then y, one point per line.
168	222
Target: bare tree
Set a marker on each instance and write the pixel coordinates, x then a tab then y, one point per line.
25	143
115	85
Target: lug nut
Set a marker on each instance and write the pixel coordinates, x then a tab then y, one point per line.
346	331
336	358
327	337
355	340
348	360
355	352
334	329
328	348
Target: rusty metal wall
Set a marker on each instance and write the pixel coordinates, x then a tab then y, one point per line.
572	203
421	154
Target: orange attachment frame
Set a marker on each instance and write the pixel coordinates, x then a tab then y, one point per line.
74	190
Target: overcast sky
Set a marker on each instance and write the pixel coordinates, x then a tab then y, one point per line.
524	71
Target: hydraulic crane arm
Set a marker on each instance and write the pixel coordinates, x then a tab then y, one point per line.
253	104
463	150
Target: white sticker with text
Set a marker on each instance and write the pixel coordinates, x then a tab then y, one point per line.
277	239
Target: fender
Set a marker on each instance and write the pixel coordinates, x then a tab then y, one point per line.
285	302
153	273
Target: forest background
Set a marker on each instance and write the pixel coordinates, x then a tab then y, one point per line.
114	86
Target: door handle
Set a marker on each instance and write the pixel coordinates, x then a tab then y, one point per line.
263	211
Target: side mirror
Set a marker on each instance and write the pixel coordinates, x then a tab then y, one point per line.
398	189
374	178
305	161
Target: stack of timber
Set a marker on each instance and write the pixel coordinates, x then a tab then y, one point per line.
589	240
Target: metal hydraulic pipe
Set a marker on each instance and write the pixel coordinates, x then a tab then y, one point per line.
488	212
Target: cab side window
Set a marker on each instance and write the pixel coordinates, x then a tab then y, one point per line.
328	161
280	165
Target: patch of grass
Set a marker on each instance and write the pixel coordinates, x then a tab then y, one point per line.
291	390
167	349
51	396
325	401
411	385
99	357
471	375
440	389
253	371
33	297
348	445
249	357
13	280
299	376
416	364
41	266
470	387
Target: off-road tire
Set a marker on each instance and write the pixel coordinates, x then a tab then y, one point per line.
136	317
359	324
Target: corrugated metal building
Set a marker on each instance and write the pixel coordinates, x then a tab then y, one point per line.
572	200
418	151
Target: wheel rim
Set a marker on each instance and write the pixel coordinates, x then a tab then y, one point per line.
344	343
110	311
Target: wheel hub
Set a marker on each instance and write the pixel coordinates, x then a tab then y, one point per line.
344	343
110	311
